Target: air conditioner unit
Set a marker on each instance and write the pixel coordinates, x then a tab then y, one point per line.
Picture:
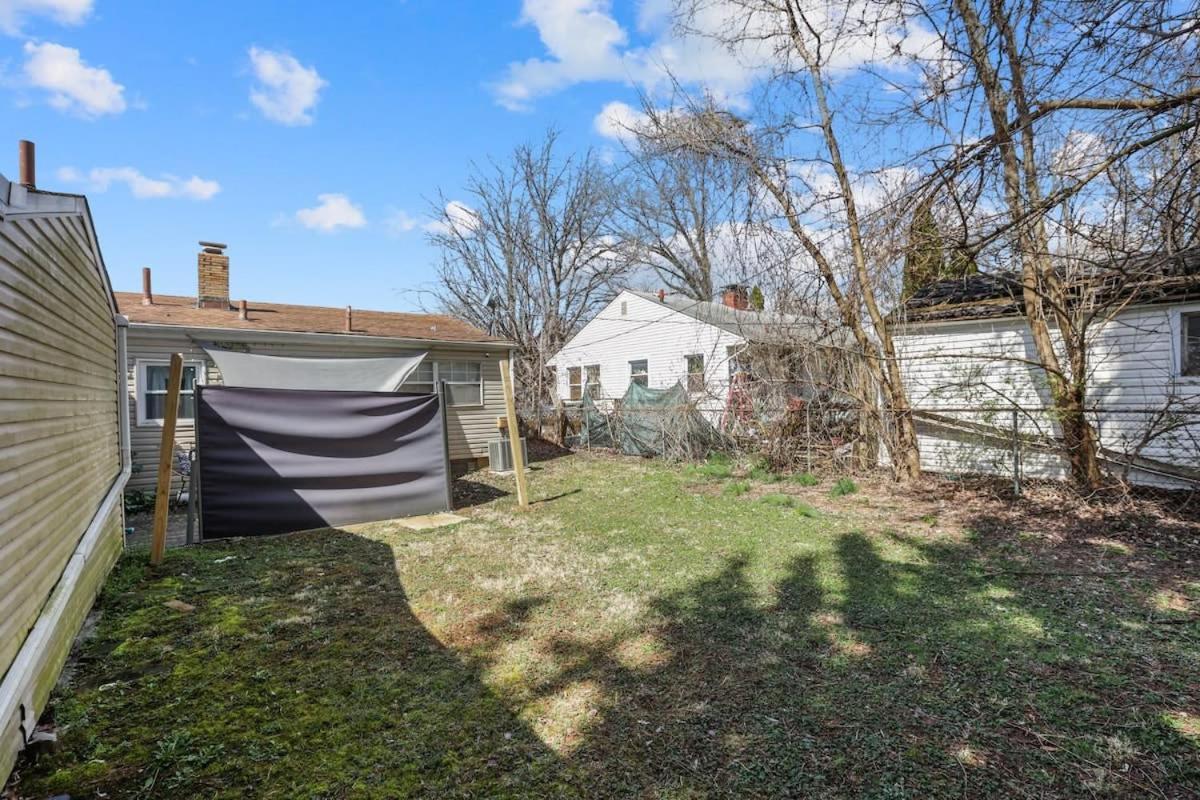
500	455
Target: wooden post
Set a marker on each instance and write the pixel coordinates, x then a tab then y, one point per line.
514	434
166	453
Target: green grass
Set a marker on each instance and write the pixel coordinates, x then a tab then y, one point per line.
806	479
780	500
736	488
635	635
716	467
843	487
761	471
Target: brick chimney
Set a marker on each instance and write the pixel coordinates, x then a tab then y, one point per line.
213	269
735	296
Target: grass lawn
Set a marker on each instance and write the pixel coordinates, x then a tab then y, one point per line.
645	632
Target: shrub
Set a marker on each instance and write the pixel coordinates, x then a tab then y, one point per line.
778	500
137	501
806	479
736	489
844	486
761	471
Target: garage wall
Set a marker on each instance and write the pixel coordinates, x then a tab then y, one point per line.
60	465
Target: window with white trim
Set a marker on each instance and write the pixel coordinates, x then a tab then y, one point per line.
1191	344
592	372
574	383
421	380
695	372
639	372
151	381
464	382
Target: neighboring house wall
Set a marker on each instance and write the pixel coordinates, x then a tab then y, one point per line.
633	328
469	427
61	519
990	365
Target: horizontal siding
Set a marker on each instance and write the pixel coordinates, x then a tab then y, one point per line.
1134	366
468	429
648	330
59	449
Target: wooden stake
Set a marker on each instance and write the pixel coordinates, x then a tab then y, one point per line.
514	434
162	494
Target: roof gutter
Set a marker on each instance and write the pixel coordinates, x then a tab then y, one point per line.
283	337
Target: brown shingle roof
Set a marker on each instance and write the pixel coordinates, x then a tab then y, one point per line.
177	310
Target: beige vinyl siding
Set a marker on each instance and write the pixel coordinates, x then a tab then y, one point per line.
468	428
59	440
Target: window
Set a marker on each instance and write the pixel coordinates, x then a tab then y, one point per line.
593	380
574	383
1191	344
464	382
151	381
695	373
422	380
639	372
624	308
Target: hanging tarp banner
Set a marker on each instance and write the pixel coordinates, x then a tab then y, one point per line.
278	460
260	371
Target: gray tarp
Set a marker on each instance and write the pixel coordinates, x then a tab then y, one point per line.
276	460
256	371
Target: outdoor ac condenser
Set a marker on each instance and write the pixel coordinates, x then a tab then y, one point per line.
500	455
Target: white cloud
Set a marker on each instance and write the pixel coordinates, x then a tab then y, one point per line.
65	12
286	91
332	212
585	43
399	221
619	121
100	179
458	216
73	85
1079	153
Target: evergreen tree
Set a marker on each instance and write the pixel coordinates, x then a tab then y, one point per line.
757	301
924	257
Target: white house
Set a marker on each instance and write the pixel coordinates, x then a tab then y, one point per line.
660	339
967	359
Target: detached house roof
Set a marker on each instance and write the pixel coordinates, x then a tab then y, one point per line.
757	326
1138	280
179	310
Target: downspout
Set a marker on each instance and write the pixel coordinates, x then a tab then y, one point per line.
17	688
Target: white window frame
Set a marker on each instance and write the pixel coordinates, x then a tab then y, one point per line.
572	386
139	380
591	388
633	375
1178	333
432	384
702	375
437	374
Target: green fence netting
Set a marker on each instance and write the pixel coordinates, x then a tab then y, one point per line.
650	422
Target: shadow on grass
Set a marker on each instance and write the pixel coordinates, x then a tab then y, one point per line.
302	672
845	673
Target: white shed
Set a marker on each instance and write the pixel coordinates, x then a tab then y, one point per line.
969	352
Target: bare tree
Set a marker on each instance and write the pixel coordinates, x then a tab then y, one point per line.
528	256
816	195
1109	72
679	213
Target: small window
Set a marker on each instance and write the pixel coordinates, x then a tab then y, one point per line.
422	380
151	381
639	372
574	383
592	373
695	373
464	382
1191	344
624	308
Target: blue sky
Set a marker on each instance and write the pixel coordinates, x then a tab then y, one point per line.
384	106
